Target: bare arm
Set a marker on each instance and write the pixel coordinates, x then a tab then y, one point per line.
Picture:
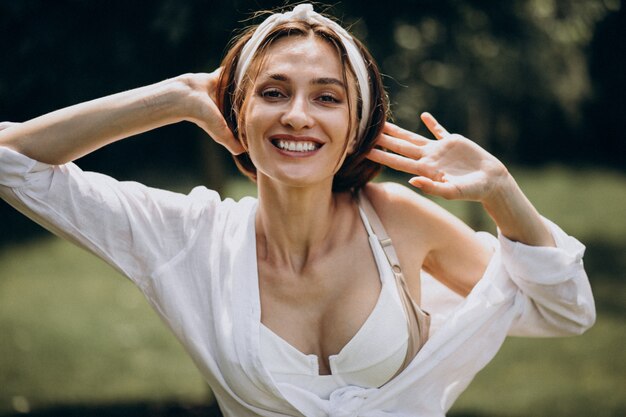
553	296
427	237
454	167
69	133
133	227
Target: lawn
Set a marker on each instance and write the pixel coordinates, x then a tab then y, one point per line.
78	339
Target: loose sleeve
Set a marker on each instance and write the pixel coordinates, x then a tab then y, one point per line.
554	297
132	227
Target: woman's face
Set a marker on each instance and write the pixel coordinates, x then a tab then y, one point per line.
297	113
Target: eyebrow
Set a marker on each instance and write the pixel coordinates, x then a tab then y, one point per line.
322	80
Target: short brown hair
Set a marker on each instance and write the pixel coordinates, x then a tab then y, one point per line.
356	170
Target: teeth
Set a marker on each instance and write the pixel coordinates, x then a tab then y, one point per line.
298	146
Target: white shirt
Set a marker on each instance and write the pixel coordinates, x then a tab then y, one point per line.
194	258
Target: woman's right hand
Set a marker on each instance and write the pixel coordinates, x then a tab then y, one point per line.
204	111
72	132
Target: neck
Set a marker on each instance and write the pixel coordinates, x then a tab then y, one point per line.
294	223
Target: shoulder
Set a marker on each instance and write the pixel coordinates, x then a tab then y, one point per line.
406	211
428	237
387	194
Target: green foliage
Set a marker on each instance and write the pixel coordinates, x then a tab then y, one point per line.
533	81
513	75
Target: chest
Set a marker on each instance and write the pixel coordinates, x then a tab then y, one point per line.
319	310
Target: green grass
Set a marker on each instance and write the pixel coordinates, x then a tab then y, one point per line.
589	204
579	376
72	331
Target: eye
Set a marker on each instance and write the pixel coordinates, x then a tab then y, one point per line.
272	93
328	98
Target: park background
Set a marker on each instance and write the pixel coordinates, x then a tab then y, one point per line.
540	83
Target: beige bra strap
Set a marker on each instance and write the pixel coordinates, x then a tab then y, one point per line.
383	237
418	320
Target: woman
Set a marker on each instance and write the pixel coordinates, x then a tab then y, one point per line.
295	303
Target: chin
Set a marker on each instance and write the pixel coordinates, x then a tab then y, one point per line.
299	178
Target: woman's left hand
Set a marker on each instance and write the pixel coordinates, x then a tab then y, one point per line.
452	167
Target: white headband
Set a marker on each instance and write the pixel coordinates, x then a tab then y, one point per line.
306	13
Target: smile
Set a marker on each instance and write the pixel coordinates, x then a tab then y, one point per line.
296	146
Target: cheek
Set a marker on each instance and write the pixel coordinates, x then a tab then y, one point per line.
253	124
352	127
250	121
337	119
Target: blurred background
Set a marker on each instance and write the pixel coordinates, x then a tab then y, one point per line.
539	83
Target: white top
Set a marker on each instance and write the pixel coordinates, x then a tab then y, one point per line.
194	258
371	358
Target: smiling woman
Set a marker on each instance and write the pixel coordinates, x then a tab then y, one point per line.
330	68
298	303
288	92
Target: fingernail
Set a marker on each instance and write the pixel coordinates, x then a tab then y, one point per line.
415	184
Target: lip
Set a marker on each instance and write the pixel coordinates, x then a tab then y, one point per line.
297	138
293	138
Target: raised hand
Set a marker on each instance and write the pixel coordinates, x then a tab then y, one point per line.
206	114
72	132
452	167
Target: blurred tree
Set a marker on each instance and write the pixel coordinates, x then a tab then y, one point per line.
533	80
606	107
511	75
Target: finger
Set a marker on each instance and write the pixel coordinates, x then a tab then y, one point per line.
233	145
6	125
221	133
212	80
440	189
400	146
401	163
393	130
433	125
215	125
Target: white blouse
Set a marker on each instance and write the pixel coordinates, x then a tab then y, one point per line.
194	258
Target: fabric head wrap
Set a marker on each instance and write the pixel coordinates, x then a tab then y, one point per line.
306	13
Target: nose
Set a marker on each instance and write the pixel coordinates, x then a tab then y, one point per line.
297	114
